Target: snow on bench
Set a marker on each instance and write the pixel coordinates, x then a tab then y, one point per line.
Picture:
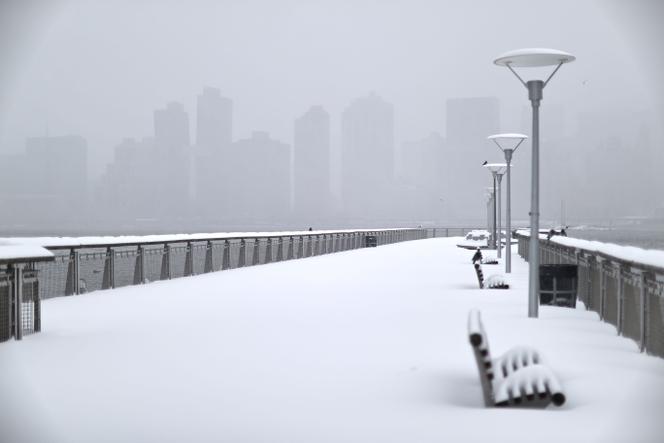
495	281
517	378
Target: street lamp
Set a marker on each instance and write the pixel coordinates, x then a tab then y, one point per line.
508	143
490	211
497	171
527	58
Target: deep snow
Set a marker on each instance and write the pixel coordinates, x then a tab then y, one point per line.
369	345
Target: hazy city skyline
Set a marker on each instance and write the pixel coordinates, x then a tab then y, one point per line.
93	70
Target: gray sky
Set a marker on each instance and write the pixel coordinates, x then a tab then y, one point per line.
100	68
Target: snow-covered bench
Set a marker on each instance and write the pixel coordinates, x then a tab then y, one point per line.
516	378
493	282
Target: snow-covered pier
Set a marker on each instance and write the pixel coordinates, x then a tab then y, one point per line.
366	345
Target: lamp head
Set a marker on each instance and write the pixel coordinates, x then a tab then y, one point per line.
508	141
534	57
497	168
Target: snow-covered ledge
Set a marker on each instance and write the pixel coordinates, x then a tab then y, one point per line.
13	252
630	254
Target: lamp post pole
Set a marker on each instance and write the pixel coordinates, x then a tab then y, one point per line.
499	176
493	235
535	88
534	57
508	215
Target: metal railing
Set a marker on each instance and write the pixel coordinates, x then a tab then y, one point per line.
20	309
78	269
627	294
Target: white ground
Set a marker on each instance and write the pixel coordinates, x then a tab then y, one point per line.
361	346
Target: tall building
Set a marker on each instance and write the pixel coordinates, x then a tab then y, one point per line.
368	158
173	159
469	122
214	120
312	164
171	128
255	181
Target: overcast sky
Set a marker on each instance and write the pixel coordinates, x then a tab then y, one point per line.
99	68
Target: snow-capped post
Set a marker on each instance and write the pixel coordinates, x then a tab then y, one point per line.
508	143
110	255
534	57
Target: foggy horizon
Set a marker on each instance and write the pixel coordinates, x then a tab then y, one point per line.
100	71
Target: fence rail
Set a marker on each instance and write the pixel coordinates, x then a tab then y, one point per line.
78	268
627	294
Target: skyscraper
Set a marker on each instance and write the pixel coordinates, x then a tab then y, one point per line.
368	157
256	181
214	120
312	164
173	160
171	128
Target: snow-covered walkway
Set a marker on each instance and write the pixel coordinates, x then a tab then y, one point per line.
362	346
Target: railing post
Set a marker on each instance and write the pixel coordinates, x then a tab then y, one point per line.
17	271
300	247
316	245
289	254
140	256
255	259
243	254
72	285
108	278
189	260
643	302
208	257
268	250
36	299
280	249
621	298
166	262
77	272
602	288
309	246
226	257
